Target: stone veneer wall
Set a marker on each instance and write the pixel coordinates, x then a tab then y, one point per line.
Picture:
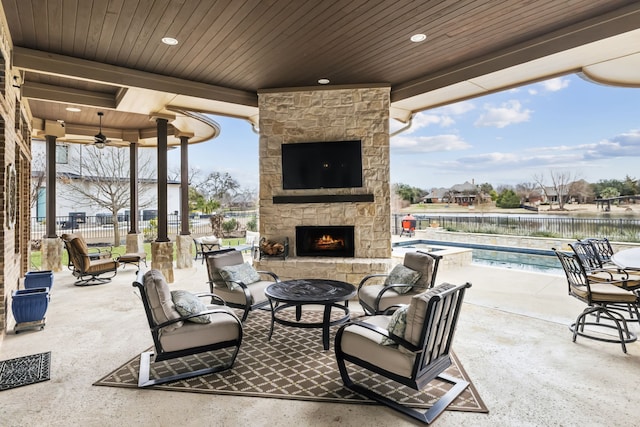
327	114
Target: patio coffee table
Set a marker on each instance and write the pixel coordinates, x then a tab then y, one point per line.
296	293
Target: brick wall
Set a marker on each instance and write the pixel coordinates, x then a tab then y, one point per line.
15	152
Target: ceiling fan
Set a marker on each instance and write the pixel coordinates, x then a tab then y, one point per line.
100	140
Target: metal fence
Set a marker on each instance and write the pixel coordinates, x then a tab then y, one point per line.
100	228
618	229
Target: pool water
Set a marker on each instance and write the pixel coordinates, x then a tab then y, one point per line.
505	258
518	261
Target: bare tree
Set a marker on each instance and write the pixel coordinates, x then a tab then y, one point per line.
560	185
193	175
218	186
581	190
525	190
104	181
38	177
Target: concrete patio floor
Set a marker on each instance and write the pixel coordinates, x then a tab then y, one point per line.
512	339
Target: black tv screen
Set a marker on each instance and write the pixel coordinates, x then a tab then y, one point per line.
310	165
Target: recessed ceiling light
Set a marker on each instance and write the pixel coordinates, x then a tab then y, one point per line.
170	41
324	81
416	38
73	109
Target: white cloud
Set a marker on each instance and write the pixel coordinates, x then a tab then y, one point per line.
624	145
556	84
427	144
532	91
507	113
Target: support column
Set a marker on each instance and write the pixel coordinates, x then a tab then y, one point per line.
162	247
51	244
135	239
184	242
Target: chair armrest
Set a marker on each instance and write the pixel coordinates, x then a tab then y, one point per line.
247	293
213	297
370	276
270	273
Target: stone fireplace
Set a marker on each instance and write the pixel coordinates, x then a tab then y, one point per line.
302	115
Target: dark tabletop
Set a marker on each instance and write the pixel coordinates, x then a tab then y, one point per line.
311	291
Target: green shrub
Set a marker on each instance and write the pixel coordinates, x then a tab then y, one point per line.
229	226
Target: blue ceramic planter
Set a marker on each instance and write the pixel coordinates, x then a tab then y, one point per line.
29	305
38	279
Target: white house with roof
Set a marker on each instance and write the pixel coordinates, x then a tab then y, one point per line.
71	167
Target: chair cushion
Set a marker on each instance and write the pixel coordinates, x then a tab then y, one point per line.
366	345
244	273
424	264
210	240
223	327
605	292
187	304
215	262
417	312
103	265
402	274
159	299
397	325
237	296
369	293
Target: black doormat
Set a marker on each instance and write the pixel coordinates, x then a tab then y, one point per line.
24	370
290	366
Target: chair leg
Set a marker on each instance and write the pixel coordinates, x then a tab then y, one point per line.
620	325
428	416
145	380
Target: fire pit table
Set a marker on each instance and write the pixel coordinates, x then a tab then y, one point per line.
296	293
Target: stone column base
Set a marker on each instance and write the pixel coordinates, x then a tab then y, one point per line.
52	253
162	259
135	243
184	258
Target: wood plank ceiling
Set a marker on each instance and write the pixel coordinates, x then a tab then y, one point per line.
249	45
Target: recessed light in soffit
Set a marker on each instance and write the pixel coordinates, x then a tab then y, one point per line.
324	81
417	38
169	41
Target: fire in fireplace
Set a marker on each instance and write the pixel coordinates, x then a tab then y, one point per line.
329	241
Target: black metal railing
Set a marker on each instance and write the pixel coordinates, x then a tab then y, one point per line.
618	229
100	228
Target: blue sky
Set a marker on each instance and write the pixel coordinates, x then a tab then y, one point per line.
564	124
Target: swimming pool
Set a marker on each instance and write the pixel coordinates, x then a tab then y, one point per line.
535	260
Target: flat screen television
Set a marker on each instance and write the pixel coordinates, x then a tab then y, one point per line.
312	165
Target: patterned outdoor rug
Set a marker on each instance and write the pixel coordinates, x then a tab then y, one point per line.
293	365
24	370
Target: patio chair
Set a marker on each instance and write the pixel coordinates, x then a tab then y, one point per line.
206	244
179	329
236	281
88	270
419	266
412	351
94	252
599	295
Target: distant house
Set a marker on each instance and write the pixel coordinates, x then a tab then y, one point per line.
437	195
68	170
464	194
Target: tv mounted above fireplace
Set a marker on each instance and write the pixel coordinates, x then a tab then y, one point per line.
312	165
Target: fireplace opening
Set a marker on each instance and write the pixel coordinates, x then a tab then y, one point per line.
330	241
